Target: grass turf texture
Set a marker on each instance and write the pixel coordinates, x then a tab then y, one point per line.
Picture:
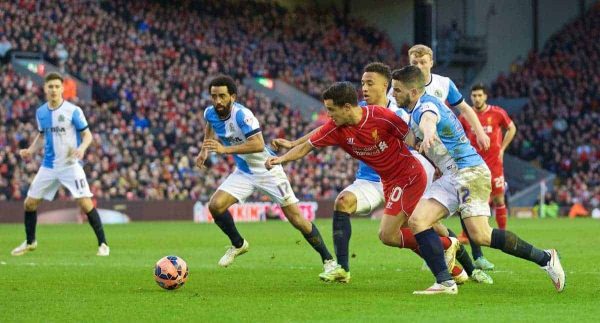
277	280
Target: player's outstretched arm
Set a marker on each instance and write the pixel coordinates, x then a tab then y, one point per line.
253	144
482	139
294	154
428	127
279	143
37	143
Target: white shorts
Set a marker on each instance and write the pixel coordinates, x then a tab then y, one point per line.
273	183
467	191
370	195
48	180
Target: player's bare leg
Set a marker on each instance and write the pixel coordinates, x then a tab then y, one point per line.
482	234
218	206
87	206
426	214
31	205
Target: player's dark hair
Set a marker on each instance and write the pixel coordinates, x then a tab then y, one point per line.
479	86
341	93
224	80
52	76
379	68
409	75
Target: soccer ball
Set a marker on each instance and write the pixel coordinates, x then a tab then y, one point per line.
171	272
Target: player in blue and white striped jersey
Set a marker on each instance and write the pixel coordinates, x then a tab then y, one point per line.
464	186
238	133
65	136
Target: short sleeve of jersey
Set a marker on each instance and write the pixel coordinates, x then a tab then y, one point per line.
403	115
426	107
79	120
39	124
325	136
397	125
505	120
247	122
454	96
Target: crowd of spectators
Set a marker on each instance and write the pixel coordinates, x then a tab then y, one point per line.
149	95
149	74
559	128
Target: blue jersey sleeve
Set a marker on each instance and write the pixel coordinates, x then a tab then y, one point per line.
79	120
426	107
247	122
454	96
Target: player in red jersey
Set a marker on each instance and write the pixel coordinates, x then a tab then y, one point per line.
495	121
374	135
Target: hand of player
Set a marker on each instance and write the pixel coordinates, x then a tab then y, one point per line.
77	153
428	142
213	145
483	141
279	143
25	153
201	158
272	161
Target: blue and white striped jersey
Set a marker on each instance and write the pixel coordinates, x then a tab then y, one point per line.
62	129
235	130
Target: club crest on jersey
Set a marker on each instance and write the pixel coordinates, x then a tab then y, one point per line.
61	118
489	119
231	127
438	93
350	141
375	135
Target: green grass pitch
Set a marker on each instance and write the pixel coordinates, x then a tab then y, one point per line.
277	280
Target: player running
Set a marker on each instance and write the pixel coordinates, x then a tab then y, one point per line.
464	186
373	135
238	129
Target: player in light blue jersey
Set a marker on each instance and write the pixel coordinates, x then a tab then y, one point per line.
444	89
365	194
464	186
65	136
236	127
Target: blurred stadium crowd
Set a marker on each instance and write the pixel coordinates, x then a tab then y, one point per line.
149	74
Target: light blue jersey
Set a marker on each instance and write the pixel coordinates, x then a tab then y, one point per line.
454	152
62	129
364	171
236	130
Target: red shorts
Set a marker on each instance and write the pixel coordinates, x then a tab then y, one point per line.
497	171
403	195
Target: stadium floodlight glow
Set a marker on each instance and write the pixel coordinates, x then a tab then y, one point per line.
266	82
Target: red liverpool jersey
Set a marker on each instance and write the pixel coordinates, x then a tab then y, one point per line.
377	140
493	120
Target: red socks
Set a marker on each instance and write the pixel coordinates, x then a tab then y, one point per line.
409	241
500	211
